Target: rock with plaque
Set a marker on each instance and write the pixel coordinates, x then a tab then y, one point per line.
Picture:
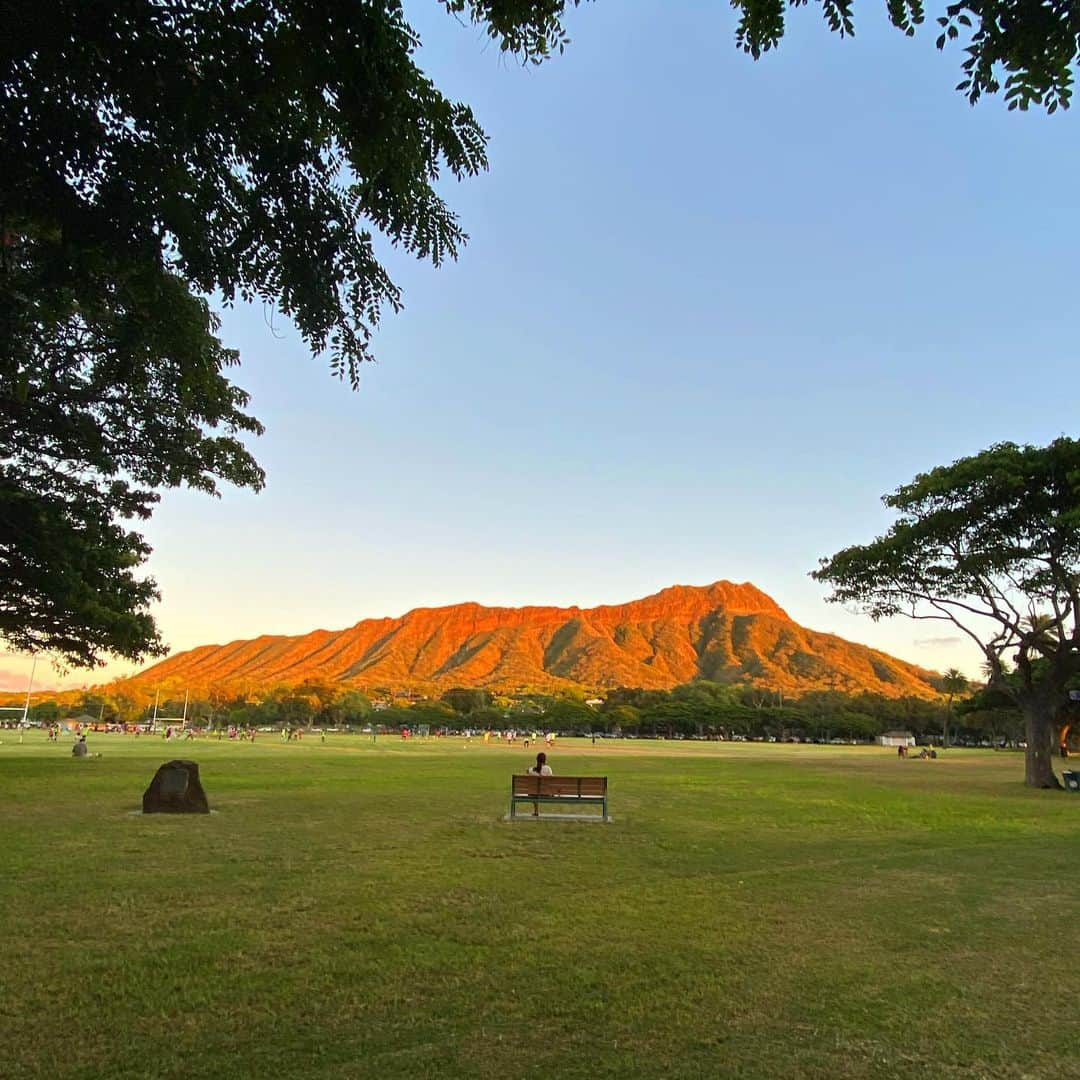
176	789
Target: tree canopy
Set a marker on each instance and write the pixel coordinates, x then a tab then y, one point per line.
991	544
110	388
1029	50
158	153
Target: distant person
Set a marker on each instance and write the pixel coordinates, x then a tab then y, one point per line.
80	749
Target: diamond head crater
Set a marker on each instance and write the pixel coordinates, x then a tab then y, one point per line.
723	632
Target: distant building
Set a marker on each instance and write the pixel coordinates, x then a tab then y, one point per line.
594	701
896	738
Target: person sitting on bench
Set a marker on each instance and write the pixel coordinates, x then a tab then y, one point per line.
541	768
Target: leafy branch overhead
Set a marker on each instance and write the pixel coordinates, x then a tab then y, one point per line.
272	141
1028	48
157	153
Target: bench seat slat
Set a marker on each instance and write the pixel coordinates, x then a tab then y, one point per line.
558	798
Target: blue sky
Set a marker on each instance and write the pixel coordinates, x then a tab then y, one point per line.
711	310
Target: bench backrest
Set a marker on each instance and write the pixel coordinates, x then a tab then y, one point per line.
531	784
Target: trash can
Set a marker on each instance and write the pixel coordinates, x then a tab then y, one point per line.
1072	780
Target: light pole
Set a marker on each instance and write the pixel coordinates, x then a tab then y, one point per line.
26	704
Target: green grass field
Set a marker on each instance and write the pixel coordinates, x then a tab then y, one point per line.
355	911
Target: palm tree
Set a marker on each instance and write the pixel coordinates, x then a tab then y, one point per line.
1044	631
953	682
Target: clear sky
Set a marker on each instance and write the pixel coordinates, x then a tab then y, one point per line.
710	312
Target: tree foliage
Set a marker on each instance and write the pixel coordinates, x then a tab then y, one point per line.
156	153
1027	49
990	544
467	699
110	388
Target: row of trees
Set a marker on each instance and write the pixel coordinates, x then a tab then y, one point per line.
696	709
309	703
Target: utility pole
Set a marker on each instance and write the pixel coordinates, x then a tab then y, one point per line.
26	704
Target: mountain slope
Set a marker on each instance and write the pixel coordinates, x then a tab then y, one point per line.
725	632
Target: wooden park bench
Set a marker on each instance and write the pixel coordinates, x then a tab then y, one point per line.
560	790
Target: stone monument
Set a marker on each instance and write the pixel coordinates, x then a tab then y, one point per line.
176	789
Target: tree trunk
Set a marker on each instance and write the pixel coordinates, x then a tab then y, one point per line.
1039	755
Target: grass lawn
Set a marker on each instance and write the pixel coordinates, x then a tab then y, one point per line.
354	910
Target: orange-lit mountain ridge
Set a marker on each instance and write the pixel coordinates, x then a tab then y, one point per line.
724	632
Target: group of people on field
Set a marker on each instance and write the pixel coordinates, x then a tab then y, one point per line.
526	737
924	754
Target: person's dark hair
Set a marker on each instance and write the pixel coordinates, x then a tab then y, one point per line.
541	761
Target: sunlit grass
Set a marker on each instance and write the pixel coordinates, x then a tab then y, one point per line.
359	910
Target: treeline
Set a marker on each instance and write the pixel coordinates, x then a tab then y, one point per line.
702	709
697	709
305	705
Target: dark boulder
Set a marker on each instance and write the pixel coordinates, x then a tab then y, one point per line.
176	789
